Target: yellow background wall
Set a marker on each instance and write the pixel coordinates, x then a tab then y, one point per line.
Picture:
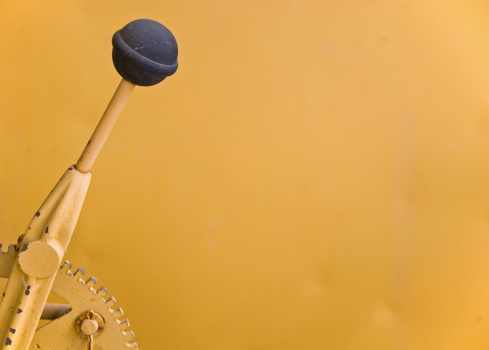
314	176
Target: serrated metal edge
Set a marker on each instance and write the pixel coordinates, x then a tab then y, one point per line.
66	268
8	254
110	302
129	335
118	312
124	324
91	283
10	248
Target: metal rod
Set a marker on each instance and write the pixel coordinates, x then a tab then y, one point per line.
104	127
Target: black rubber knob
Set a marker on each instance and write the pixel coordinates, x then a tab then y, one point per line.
145	52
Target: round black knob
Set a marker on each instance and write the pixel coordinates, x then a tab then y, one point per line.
145	52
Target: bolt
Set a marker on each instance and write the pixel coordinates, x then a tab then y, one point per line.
89	327
90	323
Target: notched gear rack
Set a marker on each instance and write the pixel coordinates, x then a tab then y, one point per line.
144	53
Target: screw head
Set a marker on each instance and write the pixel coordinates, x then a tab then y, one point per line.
90	323
89	327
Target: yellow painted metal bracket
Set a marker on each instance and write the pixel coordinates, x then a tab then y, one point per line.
42	248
